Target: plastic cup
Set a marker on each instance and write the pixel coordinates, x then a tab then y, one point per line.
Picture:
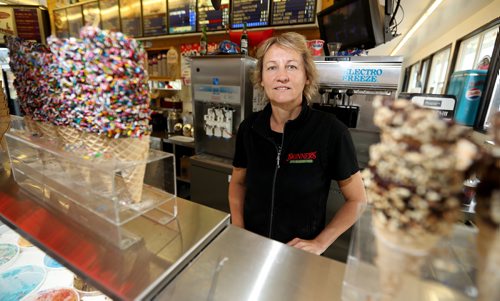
333	48
316	47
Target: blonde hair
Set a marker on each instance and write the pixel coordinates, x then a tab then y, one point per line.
298	43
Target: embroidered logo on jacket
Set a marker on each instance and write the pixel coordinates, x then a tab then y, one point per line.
301	157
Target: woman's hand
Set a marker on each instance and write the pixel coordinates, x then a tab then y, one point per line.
311	246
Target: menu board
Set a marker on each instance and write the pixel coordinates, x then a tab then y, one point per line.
61	23
253	12
27	25
154	17
286	12
181	16
130	12
6	23
110	15
214	19
75	20
91	13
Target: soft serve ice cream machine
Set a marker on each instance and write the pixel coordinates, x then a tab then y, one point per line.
222	95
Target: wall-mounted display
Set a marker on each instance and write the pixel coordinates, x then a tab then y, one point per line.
148	18
154	17
27	25
6	23
130	13
75	20
110	15
91	13
253	12
215	18
181	16
285	12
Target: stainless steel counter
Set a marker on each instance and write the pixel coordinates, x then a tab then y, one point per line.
240	265
128	274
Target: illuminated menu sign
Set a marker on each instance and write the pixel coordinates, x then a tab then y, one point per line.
253	12
293	12
130	13
27	26
61	23
91	13
75	20
181	16
110	14
213	18
154	16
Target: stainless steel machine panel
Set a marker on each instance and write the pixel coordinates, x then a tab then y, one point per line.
352	83
222	97
371	73
240	265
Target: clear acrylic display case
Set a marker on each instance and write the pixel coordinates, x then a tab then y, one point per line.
93	191
448	271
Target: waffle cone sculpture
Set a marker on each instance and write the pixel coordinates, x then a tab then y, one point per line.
25	81
488	220
413	179
110	107
132	149
125	116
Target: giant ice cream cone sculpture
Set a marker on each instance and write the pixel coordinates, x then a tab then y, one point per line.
105	75
413	179
32	64
25	82
124	113
488	220
44	70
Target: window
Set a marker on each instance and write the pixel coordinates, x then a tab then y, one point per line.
437	76
424	72
494	105
475	49
414	84
474	77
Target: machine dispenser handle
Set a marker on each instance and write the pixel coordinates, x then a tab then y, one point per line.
349	93
333	94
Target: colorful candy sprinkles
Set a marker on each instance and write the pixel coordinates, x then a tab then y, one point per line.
97	84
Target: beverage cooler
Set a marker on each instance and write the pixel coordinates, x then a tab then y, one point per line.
467	86
222	95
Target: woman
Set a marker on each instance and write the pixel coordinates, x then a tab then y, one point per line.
287	154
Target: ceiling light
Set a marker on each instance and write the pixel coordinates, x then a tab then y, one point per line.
417	25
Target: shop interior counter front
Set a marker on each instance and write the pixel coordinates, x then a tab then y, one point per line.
194	257
122	274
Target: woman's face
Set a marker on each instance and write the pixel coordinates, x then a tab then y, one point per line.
283	76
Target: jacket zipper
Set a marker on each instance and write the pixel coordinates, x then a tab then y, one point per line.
279	148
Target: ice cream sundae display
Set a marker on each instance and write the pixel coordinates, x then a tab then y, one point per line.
488	219
413	180
90	95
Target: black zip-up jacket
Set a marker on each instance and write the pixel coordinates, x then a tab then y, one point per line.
287	185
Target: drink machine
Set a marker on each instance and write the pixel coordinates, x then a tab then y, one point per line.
348	86
222	95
